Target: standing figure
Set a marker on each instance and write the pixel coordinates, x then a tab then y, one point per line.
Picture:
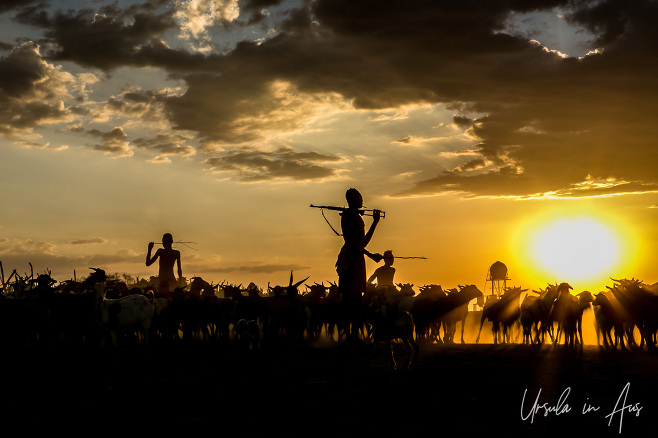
351	264
168	256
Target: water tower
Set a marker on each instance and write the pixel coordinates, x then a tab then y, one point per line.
497	278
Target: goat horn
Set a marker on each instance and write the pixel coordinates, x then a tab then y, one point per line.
297	284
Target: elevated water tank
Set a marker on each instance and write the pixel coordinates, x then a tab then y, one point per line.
498	271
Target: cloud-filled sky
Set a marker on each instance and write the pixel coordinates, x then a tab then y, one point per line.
222	120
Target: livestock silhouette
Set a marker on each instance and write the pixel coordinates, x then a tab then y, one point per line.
454	308
502	311
124	315
427	311
37	310
316	301
528	319
609	316
568	312
640	303
538	312
285	313
388	325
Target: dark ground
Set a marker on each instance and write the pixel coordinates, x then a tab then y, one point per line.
340	390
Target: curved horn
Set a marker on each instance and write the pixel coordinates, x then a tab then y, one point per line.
300	282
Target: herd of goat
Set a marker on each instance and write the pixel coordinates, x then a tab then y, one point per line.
101	311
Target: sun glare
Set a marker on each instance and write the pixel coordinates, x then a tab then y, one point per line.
575	248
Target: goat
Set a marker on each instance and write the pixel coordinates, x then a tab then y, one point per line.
285	313
539	312
568	312
426	313
337	320
117	316
641	304
503	311
391	325
165	323
247	334
527	318
453	308
316	302
72	318
608	316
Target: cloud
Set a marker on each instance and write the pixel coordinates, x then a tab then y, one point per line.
8	5
545	121
195	264
461	121
105	39
168	144
240	109
284	163
43	255
194	17
255	268
159	160
32	92
91	241
113	142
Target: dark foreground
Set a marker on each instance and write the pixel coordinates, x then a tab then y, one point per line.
339	390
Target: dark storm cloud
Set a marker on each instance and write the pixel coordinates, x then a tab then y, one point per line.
258	5
461	121
21	71
30	91
103	39
283	163
8	5
551	123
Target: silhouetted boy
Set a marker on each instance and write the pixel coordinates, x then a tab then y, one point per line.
384	274
168	257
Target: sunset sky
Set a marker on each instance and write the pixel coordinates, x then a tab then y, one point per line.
521	131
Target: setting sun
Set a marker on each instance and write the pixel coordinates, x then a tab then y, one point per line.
575	248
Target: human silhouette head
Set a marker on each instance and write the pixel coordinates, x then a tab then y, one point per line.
354	198
167	240
388	257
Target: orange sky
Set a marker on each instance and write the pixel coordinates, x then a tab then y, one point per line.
221	121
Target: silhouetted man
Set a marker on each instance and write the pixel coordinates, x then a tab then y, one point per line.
168	256
351	264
